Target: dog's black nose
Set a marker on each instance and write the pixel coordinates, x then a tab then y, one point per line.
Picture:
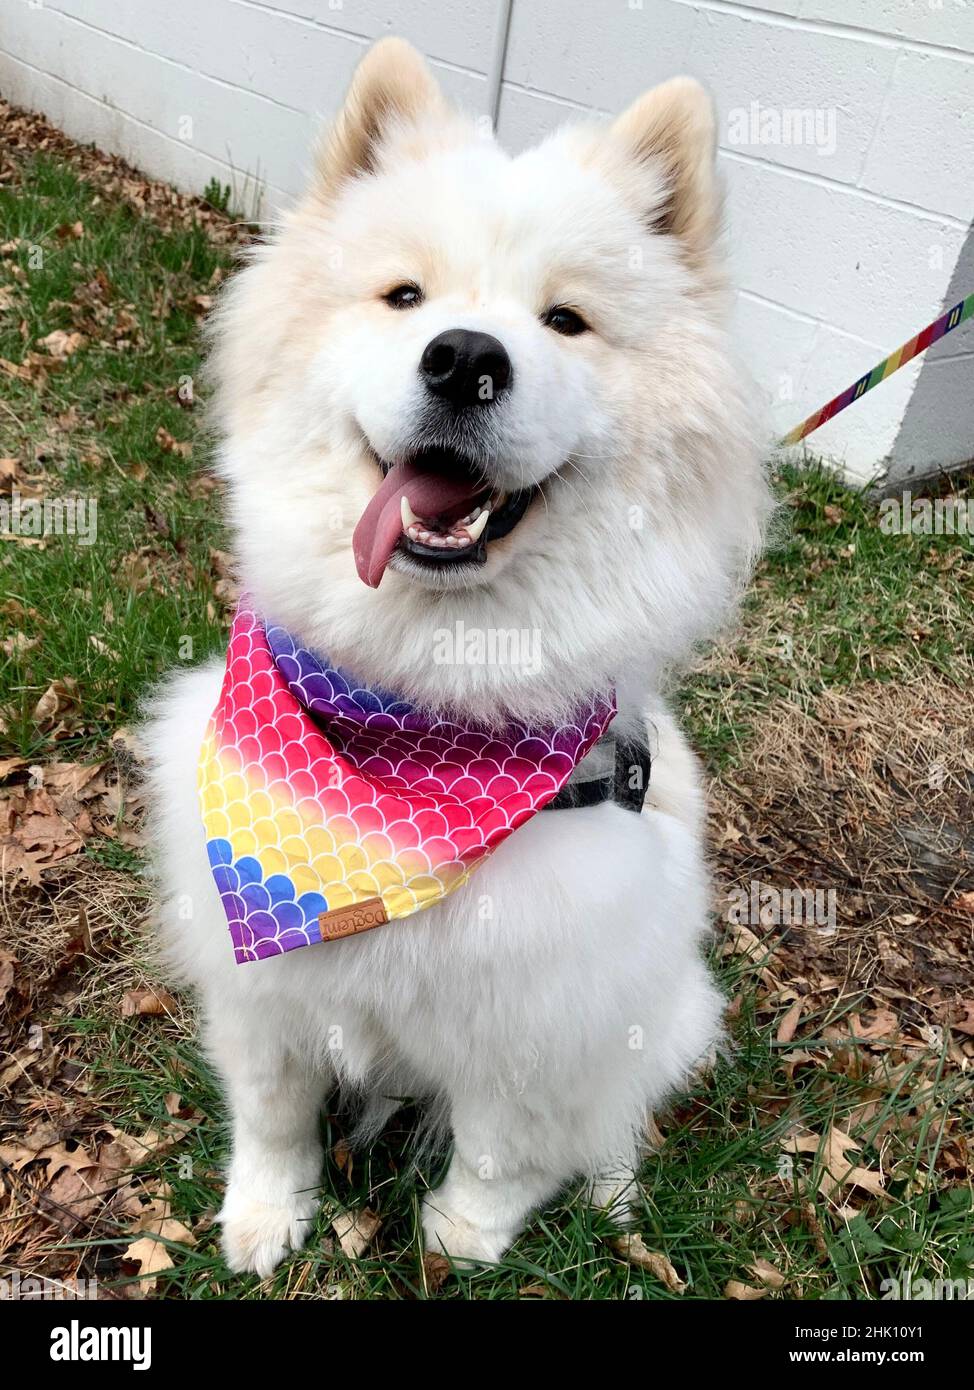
466	368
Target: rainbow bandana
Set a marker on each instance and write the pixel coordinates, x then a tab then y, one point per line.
330	808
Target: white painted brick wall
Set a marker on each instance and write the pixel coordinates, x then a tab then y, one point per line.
842	247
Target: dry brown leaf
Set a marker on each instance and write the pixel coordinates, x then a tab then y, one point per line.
437	1270
154	1224
125	743
884	1023
59	697
171	445
17	370
152	1257
768	1274
34	834
632	1248
741	941
74	1195
356	1230
866	1178
787	1026
121	1151
18	644
156	1219
965	1024
744	1293
8	974
153	1002
837	1169
61	344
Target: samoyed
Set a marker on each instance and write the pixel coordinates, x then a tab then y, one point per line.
489	464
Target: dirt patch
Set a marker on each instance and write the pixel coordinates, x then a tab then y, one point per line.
863	802
26	133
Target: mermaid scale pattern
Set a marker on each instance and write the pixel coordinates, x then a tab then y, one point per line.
318	794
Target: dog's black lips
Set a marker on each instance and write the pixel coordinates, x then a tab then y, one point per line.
501	522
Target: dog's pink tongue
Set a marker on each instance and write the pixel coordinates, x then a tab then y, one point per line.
380	525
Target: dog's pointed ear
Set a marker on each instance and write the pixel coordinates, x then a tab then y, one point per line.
672	130
391	90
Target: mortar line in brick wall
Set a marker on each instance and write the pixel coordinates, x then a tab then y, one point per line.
853	32
555	99
115	111
353	35
812	319
822	179
943	218
174	63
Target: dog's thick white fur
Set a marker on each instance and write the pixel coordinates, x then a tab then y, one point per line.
560	995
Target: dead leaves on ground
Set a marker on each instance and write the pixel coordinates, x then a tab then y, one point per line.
58	1190
883	996
148	1252
25	132
887	834
50	811
356	1230
170	445
153	1003
837	1169
59	699
61	344
34	835
633	1249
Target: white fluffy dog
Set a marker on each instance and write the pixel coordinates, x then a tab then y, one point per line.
553	326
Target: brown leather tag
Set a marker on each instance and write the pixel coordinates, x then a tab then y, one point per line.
348	921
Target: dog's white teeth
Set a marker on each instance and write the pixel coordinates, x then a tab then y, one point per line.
476	528
462	534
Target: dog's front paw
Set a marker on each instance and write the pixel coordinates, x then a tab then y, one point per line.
258	1235
448	1233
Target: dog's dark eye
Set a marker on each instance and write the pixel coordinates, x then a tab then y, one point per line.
565	321
404	297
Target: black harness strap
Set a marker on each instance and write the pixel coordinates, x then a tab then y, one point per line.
626	782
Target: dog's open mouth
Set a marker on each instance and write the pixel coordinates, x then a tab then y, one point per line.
436	508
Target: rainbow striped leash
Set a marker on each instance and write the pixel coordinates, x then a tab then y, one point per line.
945	324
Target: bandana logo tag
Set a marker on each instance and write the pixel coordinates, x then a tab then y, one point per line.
349	921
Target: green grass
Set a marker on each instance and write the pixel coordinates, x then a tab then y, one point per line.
106	616
835	602
855	605
716	1198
